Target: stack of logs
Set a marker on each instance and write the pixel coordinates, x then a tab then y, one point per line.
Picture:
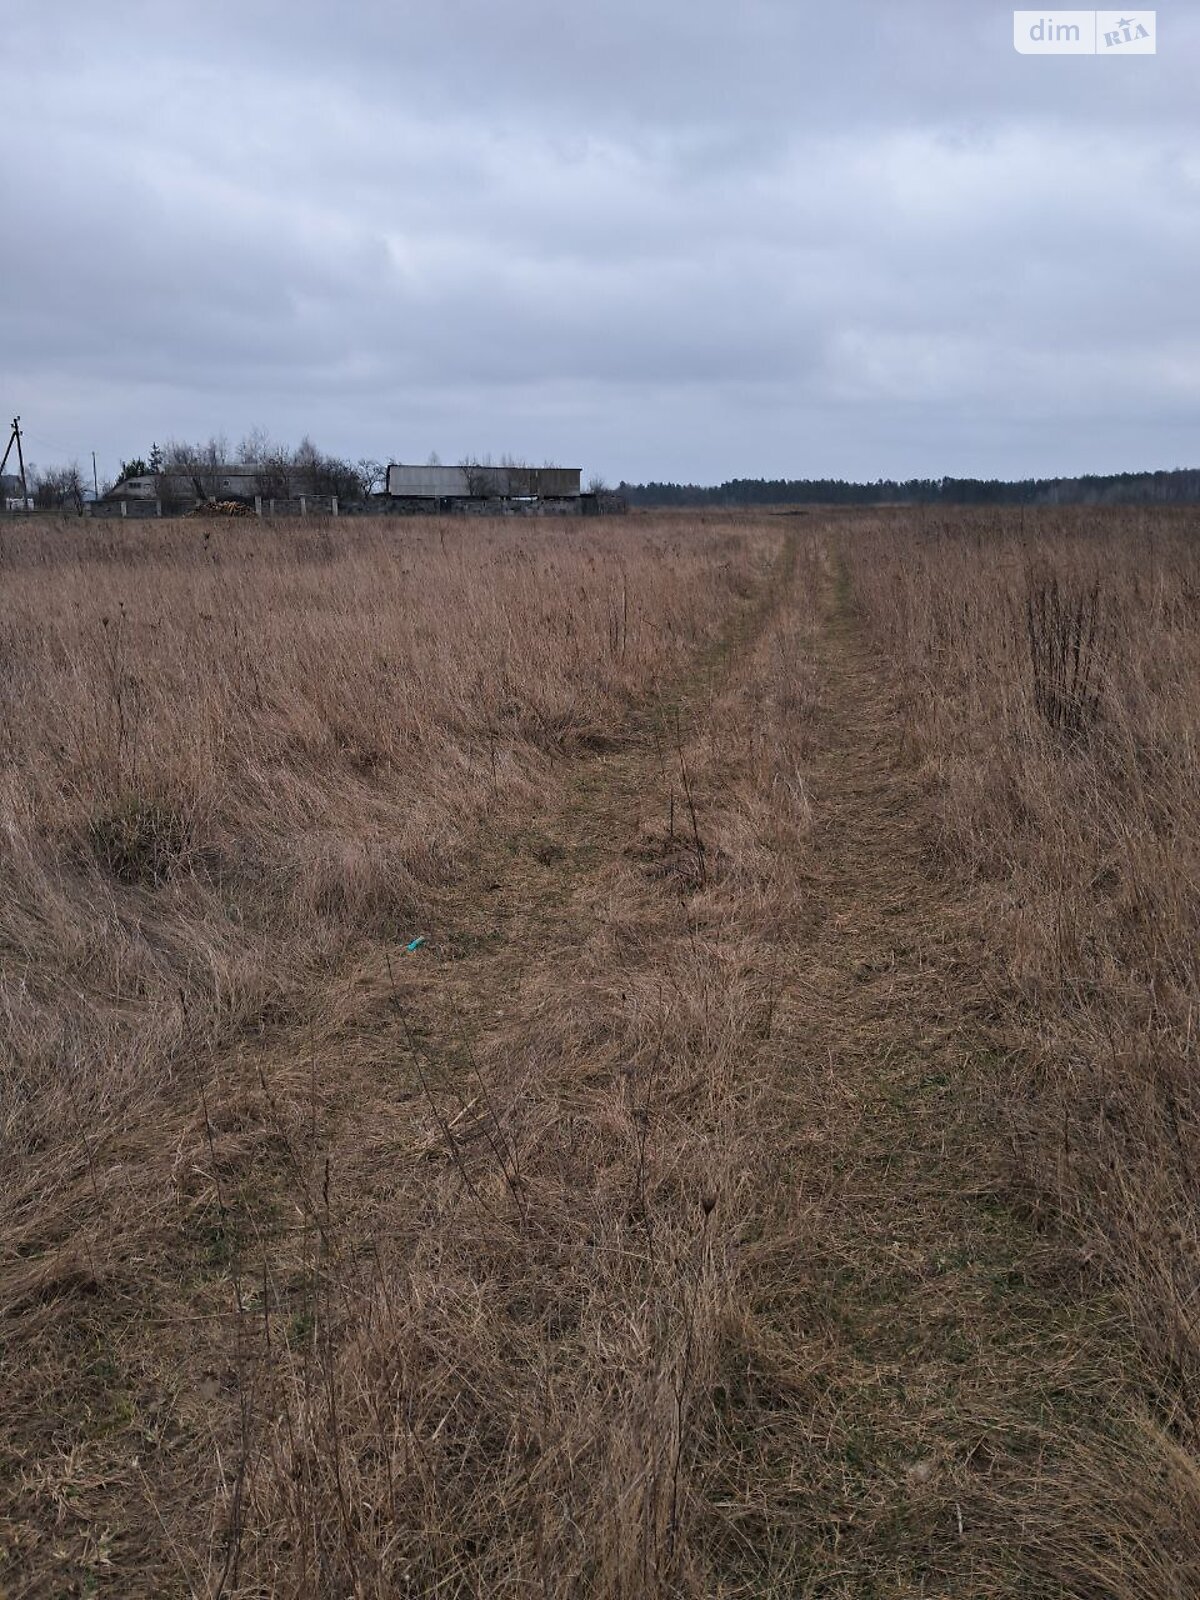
221	508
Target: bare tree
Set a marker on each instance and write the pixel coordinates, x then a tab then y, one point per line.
255	447
273	473
202	464
370	475
480	476
57	488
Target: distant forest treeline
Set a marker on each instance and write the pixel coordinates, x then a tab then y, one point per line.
1118	488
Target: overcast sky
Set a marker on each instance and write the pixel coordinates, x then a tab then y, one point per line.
675	239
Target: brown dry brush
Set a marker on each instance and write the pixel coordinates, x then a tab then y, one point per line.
332	1273
1065	650
237	763
523	1387
1082	857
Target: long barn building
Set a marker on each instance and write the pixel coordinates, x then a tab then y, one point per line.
546	491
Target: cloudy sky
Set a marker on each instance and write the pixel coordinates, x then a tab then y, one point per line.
677	239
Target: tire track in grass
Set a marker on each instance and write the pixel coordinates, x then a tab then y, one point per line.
979	1433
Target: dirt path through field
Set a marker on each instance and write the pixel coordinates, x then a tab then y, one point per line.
918	1395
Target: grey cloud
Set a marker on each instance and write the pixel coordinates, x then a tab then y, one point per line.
659	240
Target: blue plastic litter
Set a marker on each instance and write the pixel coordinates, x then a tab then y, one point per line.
415	945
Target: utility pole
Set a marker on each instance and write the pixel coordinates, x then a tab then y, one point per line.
21	461
15	438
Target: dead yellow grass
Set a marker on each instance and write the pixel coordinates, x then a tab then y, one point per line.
233	760
1076	835
643	1233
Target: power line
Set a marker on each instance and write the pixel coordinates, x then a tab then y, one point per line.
59	450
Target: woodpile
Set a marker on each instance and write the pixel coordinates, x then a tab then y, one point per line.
221	508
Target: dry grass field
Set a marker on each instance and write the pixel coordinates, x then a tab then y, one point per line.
1049	674
635	1059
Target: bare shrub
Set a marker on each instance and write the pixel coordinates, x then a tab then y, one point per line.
1064	651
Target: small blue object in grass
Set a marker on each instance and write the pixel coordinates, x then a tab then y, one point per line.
415	945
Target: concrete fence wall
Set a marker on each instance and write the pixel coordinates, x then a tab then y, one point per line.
314	505
311	505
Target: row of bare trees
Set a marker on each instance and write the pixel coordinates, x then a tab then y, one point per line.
184	470
478	470
57	488
278	468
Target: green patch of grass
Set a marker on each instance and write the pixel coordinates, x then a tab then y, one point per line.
140	842
300	1328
